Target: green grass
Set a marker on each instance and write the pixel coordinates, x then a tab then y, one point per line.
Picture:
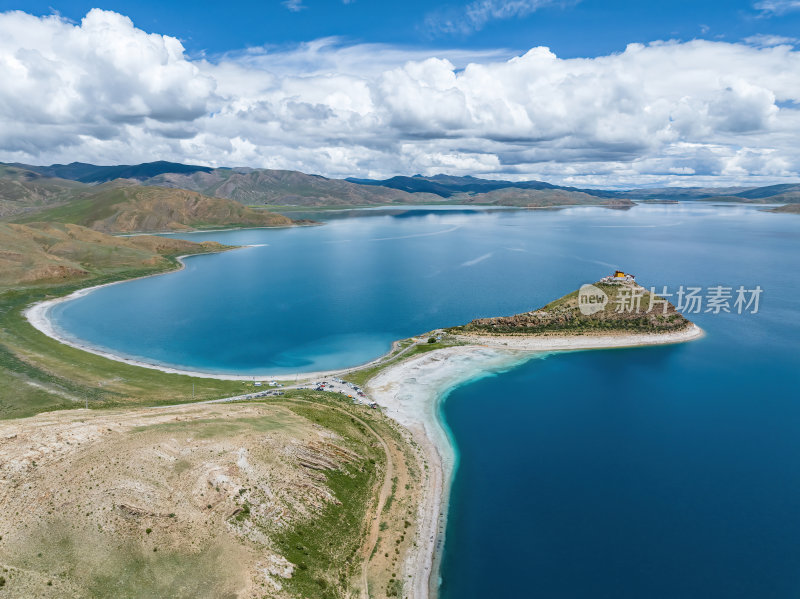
104	568
209	428
83	211
40	374
562	316
325	549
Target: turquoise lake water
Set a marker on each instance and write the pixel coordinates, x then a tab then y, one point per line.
652	472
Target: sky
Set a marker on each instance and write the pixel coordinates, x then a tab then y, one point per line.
578	92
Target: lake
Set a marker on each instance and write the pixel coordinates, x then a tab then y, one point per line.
653	472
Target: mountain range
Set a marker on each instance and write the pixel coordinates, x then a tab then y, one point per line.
159	196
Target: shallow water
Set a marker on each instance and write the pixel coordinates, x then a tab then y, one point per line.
338	295
652	472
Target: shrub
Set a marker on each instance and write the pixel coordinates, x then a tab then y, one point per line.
432	340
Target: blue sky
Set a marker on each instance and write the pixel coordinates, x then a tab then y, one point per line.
570	29
580	92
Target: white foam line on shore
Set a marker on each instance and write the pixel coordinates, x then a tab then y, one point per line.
412	391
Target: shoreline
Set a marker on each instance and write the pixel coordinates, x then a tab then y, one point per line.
411	392
38	315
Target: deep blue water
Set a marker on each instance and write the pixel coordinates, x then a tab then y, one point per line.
653	472
665	472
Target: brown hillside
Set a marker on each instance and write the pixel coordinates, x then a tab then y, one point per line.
52	253
119	207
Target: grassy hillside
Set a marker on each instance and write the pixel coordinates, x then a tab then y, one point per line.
52	253
536	198
272	498
119	208
24	191
263	499
285	188
563	316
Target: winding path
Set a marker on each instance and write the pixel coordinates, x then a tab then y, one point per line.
386	489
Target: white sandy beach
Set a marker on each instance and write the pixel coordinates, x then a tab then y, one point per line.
411	392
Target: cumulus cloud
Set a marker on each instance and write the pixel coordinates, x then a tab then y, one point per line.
104	91
777	7
64	83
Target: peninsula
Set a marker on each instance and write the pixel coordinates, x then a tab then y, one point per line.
411	390
260	481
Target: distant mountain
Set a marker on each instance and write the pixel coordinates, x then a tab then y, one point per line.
24	191
119	208
538	198
90	173
788	190
451	187
447	186
284	188
769	194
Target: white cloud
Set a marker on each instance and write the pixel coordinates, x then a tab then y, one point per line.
777	7
294	5
762	40
475	15
105	92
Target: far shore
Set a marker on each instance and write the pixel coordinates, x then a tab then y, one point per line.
410	391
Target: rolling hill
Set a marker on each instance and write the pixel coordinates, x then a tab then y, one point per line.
90	173
459	188
448	186
285	188
564	317
40	253
26	191
538	198
122	208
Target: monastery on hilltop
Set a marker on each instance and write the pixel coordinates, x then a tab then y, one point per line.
619	277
